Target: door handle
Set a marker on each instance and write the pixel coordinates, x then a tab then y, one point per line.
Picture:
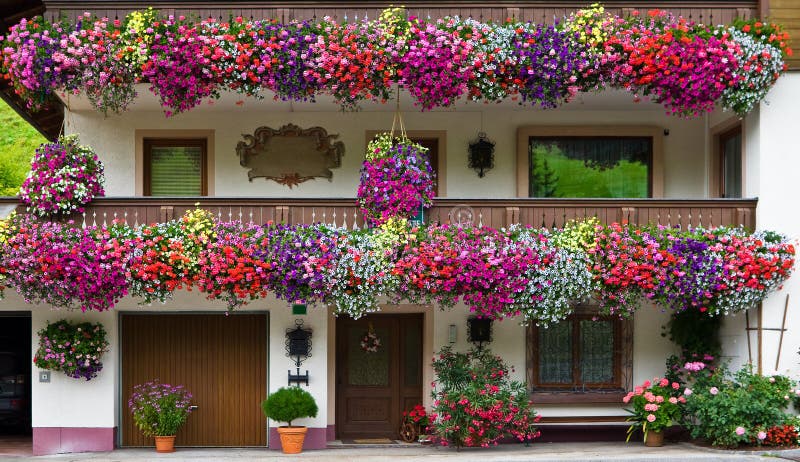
192	408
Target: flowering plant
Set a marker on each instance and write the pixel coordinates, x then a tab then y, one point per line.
64	177
475	402
95	56
362	274
654	405
230	268
733	409
74	349
418	416
306	253
159	409
686	67
166	256
179	64
29	60
264	54
396	179
64	266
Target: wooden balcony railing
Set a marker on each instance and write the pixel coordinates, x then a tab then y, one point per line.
496	213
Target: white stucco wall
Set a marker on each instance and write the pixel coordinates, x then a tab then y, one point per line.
773	165
113	137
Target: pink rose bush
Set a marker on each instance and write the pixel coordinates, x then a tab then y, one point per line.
64	177
686	67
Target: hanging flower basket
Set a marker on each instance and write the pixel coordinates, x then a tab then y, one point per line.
396	179
64	177
74	349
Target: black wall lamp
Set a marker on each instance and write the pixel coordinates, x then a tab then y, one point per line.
298	346
481	154
479	330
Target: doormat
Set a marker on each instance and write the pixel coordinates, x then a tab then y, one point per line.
373	441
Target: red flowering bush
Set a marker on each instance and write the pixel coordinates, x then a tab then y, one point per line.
166	255
476	403
781	435
418	416
230	269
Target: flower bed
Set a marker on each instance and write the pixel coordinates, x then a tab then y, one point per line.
685	66
517	272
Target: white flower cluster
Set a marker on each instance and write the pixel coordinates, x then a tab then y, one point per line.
361	276
760	66
554	286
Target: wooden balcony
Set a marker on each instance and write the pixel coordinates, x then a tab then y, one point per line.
496	213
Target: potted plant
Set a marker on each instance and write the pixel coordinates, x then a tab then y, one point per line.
655	407
159	410
286	405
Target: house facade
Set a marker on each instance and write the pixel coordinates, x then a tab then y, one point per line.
716	169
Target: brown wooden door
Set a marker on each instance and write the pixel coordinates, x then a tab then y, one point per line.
222	361
373	388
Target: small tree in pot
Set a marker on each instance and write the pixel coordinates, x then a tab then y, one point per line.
286	405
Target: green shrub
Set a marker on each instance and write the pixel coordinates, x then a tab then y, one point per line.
732	410
288	404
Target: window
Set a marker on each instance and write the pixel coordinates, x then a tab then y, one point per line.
175	167
730	163
583	356
589	162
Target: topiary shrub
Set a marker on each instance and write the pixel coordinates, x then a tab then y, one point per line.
288	404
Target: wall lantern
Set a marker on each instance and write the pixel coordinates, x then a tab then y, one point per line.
481	154
479	330
298	346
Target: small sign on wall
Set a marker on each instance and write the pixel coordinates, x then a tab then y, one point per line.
44	376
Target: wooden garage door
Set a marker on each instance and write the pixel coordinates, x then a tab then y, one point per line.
222	361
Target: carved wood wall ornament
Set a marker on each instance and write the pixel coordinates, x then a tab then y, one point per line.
290	155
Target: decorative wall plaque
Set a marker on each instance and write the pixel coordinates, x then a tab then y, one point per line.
290	155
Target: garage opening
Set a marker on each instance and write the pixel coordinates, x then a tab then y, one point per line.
221	360
15	384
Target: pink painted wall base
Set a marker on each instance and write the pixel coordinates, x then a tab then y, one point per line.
63	440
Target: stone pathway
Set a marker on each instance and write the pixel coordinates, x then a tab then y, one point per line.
542	452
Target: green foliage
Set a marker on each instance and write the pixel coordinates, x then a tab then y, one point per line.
476	403
18	142
731	410
695	332
288	404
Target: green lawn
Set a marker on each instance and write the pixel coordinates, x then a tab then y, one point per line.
18	142
573	178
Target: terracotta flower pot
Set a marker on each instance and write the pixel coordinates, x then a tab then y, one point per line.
292	439
654	439
165	443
